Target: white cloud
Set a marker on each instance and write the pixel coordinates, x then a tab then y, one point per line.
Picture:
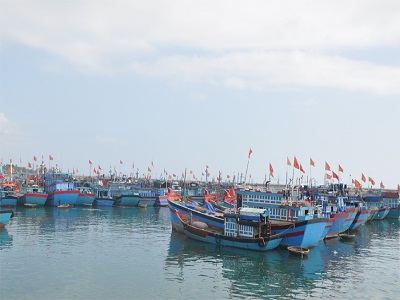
234	43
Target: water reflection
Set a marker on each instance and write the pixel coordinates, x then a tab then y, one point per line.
332	268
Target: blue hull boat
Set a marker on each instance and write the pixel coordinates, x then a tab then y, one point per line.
5	216
238	233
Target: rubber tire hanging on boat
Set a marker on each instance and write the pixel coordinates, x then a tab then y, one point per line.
261	243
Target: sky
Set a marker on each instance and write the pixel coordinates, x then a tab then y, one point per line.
189	84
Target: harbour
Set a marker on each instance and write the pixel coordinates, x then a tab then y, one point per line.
120	253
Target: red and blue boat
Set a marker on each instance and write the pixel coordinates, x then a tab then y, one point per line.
33	195
362	213
85	197
61	189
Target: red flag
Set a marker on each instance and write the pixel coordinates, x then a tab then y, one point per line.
301	169
50	157
90	162
328	176
371	180
398	187
99	167
288	161
152	164
174	175
327	167
120	161
227	176
296	163
363	177
340	169
29	165
95	172
382	185
148	169
271	170
133	165
357	184
206	167
334	175
250	152
202	174
312	162
35	158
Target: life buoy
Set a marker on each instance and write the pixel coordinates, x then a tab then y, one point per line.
261	243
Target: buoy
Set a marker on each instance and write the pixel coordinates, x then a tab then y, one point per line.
335	252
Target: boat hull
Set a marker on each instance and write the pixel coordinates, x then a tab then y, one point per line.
98	202
394	213
9	201
5	217
33	199
338	224
62	198
381	213
127	200
255	244
147	201
85	199
360	219
304	234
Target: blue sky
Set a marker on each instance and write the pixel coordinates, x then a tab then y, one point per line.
189	84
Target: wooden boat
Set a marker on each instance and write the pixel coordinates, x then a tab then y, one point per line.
346	236
298	250
63	206
248	229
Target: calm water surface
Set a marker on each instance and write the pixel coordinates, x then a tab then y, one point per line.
132	253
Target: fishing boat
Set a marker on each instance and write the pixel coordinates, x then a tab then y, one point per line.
10	193
298	250
391	199
5	216
33	195
335	209
147	197
346	236
362	215
301	222
374	202
248	229
103	198
163	197
86	196
61	190
127	198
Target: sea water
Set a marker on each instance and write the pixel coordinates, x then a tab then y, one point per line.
132	253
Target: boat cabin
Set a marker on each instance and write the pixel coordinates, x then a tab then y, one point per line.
247	222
